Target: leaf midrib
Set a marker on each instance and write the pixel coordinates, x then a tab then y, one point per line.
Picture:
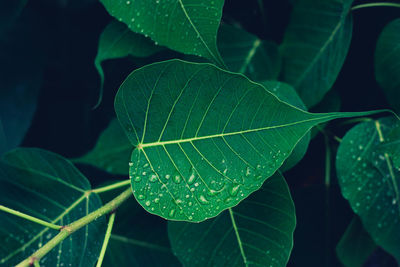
320	52
197	32
162	143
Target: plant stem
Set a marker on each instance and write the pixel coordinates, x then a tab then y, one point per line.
327	200
378	4
30	218
106	239
74	226
111	187
36	264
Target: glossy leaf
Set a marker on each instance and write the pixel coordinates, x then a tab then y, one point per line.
205	138
117	41
355	246
186	26
258	232
370	183
112	150
315	46
387	57
245	53
143	244
49	187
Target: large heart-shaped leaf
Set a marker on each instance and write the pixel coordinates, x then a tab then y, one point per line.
245	53
258	232
387	57
49	187
186	26
315	46
205	138
355	246
370	182
112	150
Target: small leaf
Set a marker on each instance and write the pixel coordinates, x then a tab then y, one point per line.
370	183
387	56
205	138
315	46
112	150
47	186
245	53
182	25
258	232
118	41
355	246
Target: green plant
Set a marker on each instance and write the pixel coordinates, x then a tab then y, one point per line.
205	137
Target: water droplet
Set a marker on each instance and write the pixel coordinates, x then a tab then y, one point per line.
141	197
156	200
177	178
248	171
137	179
172	213
228	199
153	178
203	199
147	203
130	163
234	189
192	176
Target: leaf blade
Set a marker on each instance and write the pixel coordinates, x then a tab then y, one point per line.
203	133
259	231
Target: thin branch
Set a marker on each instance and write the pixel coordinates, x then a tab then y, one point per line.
30	218
76	225
106	239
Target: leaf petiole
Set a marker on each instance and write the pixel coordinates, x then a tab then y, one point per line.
106	239
378	4
111	187
30	218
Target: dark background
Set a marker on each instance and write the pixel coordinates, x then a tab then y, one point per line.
62	42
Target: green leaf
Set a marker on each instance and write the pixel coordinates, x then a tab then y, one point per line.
258	232
315	46
245	53
143	244
117	41
355	246
370	183
287	94
112	150
205	138
182	25
387	57
49	187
